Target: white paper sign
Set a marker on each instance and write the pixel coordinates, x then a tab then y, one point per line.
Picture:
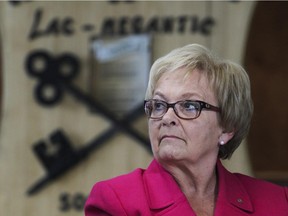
121	72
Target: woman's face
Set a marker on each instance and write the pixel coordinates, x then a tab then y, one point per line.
175	139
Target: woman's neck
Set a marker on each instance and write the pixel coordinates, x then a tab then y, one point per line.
198	182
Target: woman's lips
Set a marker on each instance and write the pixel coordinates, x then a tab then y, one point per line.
170	137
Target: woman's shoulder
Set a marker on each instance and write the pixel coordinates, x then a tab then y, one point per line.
262	187
258	191
123	193
132	178
122	180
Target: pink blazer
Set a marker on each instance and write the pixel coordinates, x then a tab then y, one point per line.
155	192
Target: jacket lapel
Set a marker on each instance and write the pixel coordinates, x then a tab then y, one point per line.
232	195
164	195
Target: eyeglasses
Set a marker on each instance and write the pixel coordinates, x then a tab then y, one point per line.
185	109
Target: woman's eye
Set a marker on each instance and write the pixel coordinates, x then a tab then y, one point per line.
159	106
189	106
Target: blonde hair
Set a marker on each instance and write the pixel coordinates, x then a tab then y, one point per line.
228	80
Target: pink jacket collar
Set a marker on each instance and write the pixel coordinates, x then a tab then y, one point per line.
163	191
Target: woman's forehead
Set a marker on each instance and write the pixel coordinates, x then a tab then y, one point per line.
183	84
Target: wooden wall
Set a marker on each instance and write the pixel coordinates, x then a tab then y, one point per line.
267	63
58	27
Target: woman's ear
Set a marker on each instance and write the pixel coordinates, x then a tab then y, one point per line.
225	137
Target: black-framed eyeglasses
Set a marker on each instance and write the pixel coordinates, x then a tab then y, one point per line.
185	109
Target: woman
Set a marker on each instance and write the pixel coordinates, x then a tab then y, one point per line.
199	109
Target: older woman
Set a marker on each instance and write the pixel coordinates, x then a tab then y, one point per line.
199	109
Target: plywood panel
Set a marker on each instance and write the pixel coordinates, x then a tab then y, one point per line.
229	40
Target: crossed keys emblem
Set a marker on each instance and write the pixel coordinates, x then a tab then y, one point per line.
55	74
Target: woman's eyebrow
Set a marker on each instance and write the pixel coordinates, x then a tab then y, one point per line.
187	95
157	93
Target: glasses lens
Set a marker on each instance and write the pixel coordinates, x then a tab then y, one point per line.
188	109
155	108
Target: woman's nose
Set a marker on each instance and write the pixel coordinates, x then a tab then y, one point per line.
170	117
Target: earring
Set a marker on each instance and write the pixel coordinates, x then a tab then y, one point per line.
222	142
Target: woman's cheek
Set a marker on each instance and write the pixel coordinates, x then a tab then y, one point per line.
153	134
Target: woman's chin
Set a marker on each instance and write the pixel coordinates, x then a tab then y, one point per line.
170	152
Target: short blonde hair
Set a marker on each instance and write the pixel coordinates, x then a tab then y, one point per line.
228	80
